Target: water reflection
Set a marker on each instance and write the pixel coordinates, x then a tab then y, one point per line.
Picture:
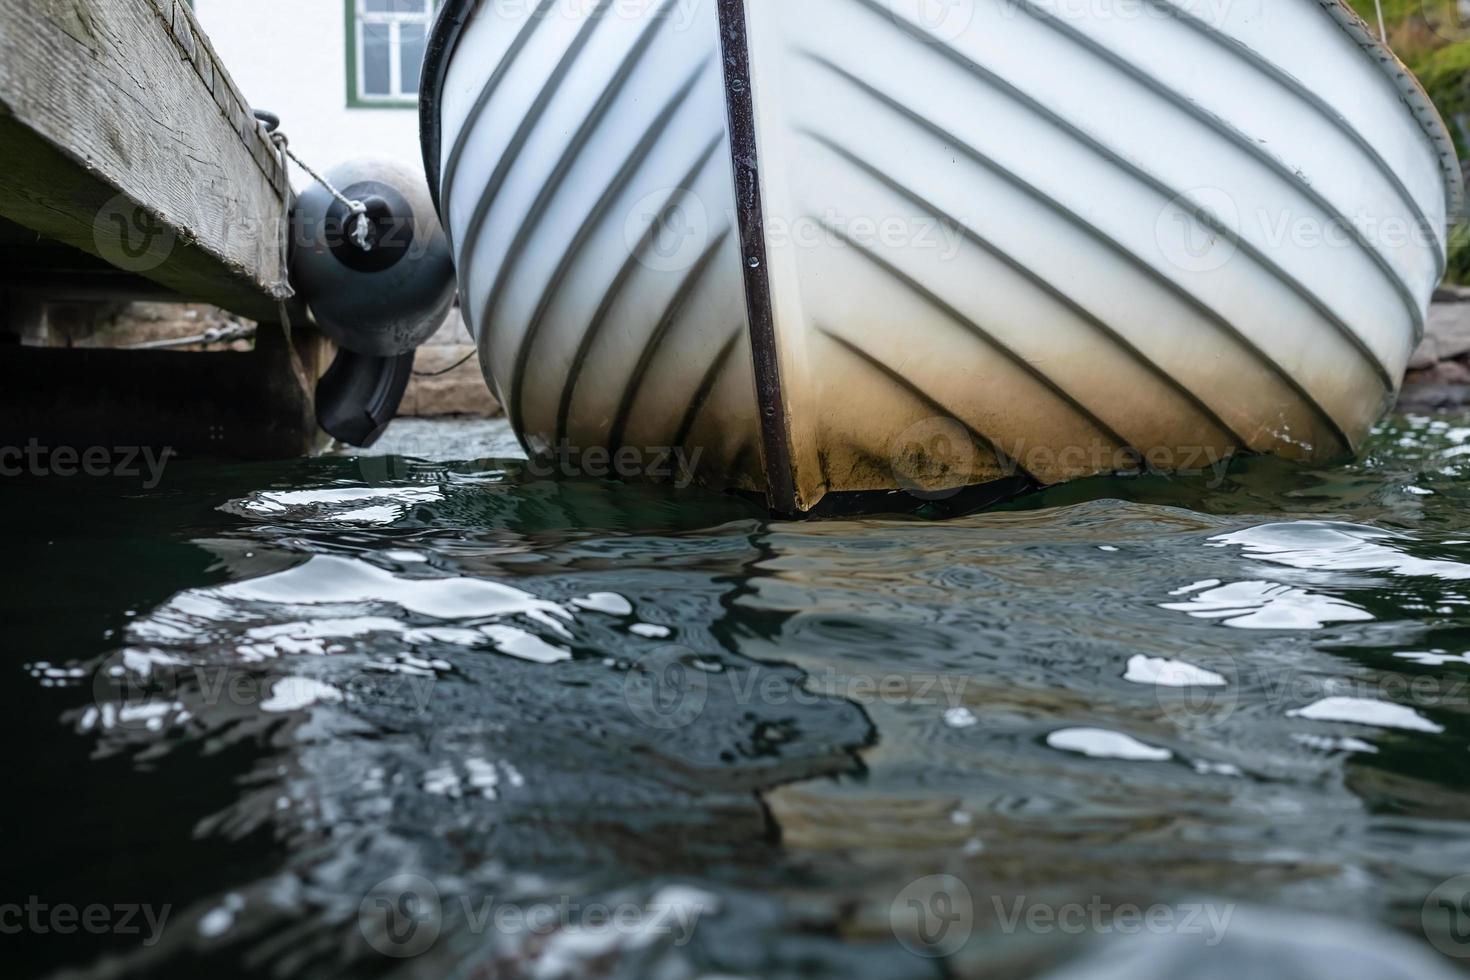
347	689
1264	605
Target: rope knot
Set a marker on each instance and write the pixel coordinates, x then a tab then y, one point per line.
359	226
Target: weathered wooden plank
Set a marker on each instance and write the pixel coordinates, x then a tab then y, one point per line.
125	137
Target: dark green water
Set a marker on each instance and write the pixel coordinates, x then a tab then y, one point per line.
376	717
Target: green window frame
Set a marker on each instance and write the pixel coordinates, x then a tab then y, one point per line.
400	30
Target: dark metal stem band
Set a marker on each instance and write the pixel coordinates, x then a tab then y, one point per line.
750	219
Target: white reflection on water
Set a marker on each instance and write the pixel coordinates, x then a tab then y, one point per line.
311	636
960	717
1317	546
472	776
1266	605
527	646
606	602
327	579
383	505
1163	672
1364	711
220	919
1100	743
1434	658
152	715
1325	743
295	693
1332	546
266	618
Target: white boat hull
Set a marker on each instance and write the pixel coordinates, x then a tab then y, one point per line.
862	245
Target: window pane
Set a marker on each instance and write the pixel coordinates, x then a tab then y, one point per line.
394	6
376	68
413	39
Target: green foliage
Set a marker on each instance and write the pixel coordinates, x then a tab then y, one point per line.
1434	41
1395	11
1458	269
1445	73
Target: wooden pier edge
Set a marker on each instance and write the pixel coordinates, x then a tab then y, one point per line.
126	138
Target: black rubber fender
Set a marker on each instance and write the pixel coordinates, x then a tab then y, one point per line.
360	394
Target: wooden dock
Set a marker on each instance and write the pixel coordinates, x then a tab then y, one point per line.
134	168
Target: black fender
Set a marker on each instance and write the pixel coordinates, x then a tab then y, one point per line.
360	394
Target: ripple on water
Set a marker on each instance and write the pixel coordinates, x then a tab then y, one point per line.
466	675
1340	547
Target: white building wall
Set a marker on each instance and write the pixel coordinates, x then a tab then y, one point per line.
290	56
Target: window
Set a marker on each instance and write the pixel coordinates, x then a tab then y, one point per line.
386	40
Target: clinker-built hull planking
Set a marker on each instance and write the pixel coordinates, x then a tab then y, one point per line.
858	245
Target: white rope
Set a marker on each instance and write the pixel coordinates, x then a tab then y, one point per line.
358	210
1382	29
284	290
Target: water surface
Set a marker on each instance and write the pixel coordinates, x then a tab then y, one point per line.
423	714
